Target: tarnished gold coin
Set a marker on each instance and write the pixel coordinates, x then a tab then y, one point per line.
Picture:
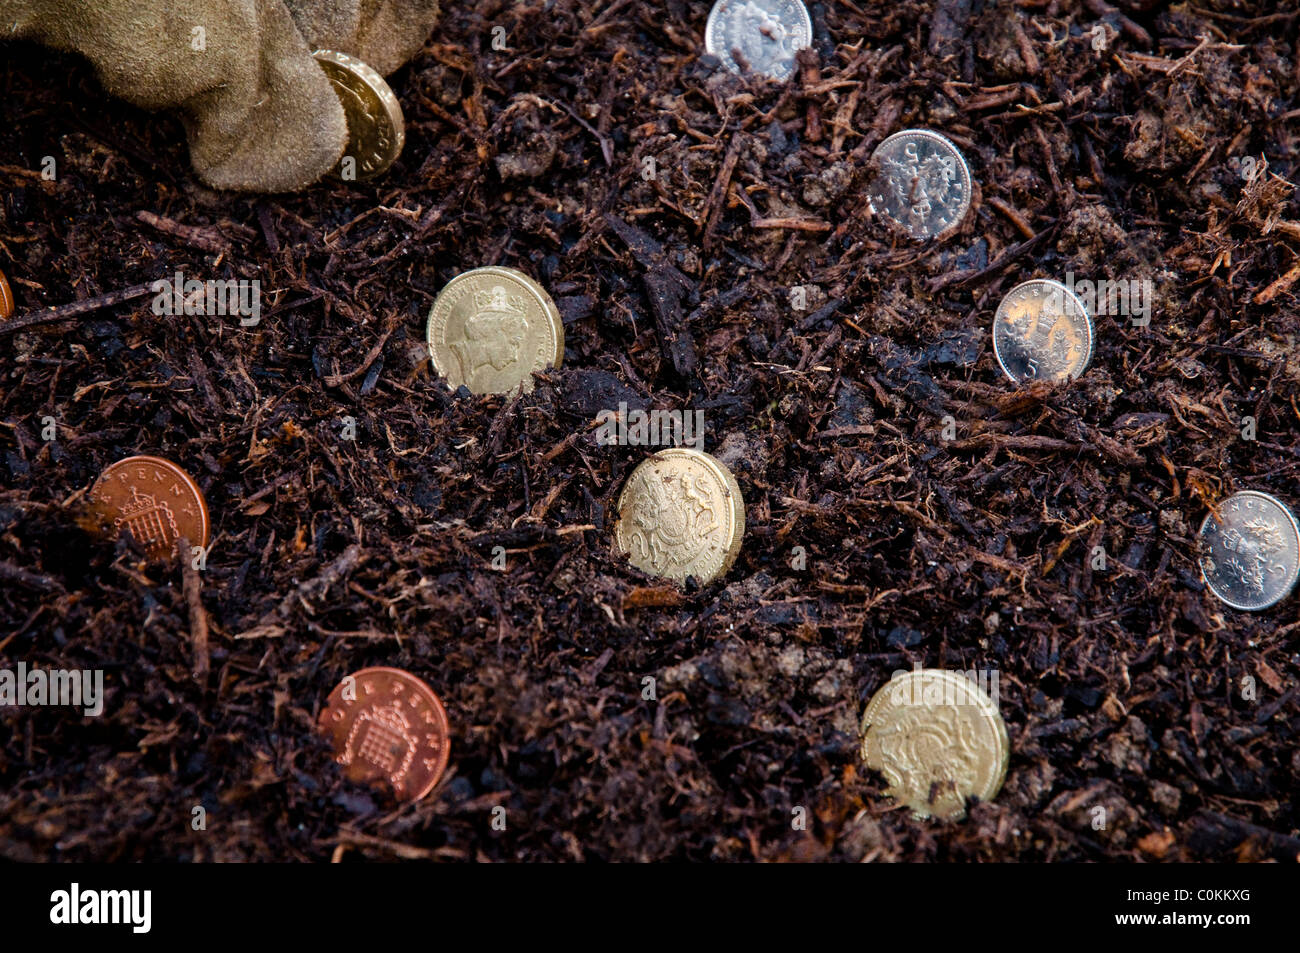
938	739
376	129
491	328
680	514
1042	331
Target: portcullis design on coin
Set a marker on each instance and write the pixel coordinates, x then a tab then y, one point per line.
760	36
680	515
1251	550
153	499
491	328
1042	331
389	730
376	129
938	739
922	183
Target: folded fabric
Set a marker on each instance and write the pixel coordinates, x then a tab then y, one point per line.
259	113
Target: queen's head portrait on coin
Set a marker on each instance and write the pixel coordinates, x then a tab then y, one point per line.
491	328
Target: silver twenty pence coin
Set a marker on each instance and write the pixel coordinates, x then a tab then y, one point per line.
1042	331
922	183
1251	550
759	36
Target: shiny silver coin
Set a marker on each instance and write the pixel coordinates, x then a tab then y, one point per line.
1251	550
1042	331
758	36
922	183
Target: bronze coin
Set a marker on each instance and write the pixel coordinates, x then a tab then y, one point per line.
153	499
389	730
6	298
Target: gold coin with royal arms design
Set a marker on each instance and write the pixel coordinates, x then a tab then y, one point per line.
938	739
376	129
680	515
491	328
154	500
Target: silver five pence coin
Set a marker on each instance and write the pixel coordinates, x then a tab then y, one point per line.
1042	331
760	36
922	183
1251	550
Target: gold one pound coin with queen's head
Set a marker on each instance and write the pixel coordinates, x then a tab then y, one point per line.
491	328
680	515
938	739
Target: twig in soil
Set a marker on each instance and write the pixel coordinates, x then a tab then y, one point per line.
1006	258
32	580
203	238
193	587
1280	285
64	312
334	380
1103	9
717	197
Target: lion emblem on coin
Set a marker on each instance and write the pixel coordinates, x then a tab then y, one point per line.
670	521
933	753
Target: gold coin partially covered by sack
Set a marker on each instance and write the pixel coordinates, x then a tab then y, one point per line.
376	129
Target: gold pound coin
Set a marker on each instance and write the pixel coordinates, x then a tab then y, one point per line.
491	328
376	130
938	739
680	515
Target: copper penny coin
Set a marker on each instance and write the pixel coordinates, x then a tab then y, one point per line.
6	298
389	730
155	500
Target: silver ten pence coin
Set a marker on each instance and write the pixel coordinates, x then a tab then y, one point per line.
1250	550
922	183
759	36
1042	331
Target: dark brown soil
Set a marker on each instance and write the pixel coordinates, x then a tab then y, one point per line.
1121	688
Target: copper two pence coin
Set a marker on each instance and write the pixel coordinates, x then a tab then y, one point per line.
389	730
153	499
6	299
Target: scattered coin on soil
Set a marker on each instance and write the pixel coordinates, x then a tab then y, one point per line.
1251	550
491	328
153	499
760	36
389	730
6	298
681	515
938	739
1042	331
922	183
